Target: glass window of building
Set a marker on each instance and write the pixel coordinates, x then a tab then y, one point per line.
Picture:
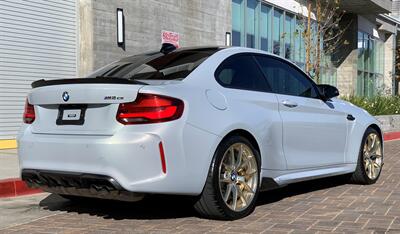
265	27
370	65
277	32
237	23
299	51
251	23
258	25
290	27
328	73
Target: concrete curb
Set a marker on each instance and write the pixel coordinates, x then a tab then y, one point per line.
16	187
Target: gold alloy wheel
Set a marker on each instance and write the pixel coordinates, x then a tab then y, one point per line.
372	153
238	177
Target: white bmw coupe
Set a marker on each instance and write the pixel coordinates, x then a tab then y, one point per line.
221	124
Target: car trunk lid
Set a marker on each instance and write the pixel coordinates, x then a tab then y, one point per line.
85	106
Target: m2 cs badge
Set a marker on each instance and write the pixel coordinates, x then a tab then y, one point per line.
113	98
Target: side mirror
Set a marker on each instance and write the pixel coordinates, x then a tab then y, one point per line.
328	91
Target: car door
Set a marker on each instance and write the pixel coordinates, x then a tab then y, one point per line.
314	131
253	106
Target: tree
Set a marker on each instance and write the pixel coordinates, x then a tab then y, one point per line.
322	33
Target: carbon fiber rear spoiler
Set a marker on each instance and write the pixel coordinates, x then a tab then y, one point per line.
100	80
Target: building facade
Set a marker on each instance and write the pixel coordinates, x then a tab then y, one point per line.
53	39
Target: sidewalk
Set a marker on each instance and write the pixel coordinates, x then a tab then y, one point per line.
9	167
10	183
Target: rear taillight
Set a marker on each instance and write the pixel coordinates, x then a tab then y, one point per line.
29	113
150	108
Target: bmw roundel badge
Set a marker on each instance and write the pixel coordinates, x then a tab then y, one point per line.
65	96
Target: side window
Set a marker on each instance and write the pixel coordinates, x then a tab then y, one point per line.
285	79
241	72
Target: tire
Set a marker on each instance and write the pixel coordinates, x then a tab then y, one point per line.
222	175
367	158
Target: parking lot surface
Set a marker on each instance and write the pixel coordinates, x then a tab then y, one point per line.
320	206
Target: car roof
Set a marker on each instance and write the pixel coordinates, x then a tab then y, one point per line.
182	49
214	49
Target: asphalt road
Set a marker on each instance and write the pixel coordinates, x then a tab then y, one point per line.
320	206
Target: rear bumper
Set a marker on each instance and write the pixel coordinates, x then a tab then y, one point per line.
131	156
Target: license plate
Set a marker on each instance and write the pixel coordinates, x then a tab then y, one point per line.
71	114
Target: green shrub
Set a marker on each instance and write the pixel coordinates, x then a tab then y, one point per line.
379	105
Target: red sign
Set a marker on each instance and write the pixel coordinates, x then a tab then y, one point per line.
170	37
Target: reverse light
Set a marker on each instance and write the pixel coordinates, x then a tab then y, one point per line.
150	108
29	113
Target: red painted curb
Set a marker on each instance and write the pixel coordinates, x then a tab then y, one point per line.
17	187
389	136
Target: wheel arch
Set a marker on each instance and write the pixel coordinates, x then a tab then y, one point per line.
211	203
356	135
246	134
378	129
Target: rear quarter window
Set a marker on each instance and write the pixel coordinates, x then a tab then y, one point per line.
241	72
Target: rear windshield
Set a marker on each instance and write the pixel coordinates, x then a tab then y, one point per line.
176	65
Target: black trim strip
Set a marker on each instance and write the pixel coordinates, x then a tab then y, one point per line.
101	80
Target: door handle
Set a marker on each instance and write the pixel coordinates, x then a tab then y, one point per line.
289	104
350	117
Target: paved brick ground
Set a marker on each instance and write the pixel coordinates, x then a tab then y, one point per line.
322	206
